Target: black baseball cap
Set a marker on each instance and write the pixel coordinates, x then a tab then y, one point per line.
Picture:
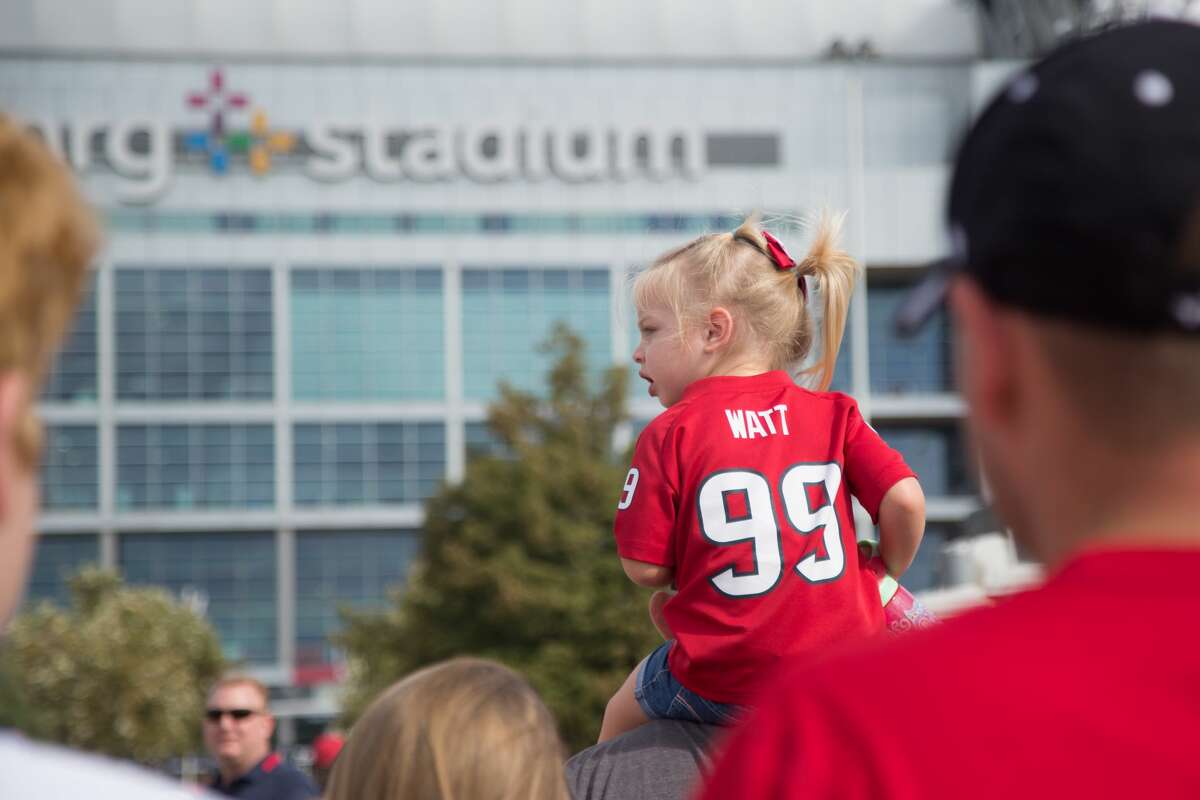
1076	193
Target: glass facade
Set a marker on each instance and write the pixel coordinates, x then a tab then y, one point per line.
367	334
367	463
927	570
74	377
194	334
374	335
232	575
843	379
344	568
508	313
57	558
903	366
70	468
934	452
480	441
180	466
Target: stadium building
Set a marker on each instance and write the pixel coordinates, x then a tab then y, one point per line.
333	228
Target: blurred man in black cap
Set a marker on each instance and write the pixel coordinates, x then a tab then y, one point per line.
1075	290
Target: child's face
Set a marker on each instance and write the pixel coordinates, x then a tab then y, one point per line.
670	360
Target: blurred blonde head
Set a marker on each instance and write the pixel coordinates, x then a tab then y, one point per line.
47	238
771	315
465	729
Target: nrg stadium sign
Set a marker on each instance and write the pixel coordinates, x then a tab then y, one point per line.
145	153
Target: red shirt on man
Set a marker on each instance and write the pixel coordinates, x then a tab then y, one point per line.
1087	687
743	489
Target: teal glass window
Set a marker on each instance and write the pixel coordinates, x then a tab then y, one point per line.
481	442
195	466
928	568
906	365
367	334
843	379
194	334
345	568
508	313
57	558
367	463
932	451
230	574
74	376
70	468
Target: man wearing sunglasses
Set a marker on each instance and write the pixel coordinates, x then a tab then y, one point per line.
237	734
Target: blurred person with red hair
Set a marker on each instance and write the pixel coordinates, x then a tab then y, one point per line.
48	238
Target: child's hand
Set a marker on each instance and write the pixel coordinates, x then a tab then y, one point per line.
658	601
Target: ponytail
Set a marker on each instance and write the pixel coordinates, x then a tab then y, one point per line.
745	271
836	273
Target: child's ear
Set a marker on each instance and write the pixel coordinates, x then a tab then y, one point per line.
719	330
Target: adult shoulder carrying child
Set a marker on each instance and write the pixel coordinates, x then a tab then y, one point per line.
740	492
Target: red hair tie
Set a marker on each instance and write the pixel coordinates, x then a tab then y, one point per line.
783	261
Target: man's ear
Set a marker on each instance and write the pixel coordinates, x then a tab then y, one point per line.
718	331
14	410
984	356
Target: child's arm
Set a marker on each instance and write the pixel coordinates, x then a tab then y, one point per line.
901	525
642	573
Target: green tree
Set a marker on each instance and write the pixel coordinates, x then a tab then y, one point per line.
519	562
122	671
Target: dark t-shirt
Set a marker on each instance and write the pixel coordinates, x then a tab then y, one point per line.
272	779
661	760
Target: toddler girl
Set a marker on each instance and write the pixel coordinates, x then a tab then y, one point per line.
739	493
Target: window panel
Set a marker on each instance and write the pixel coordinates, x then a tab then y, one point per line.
232	573
367	463
344	568
367	334
917	364
508	314
73	377
934	452
57	558
70	468
195	466
186	334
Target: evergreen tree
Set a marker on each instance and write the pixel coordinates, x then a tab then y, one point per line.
519	562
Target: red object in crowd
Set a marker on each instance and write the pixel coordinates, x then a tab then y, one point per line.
901	611
326	748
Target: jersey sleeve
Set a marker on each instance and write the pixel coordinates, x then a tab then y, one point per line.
872	467
649	501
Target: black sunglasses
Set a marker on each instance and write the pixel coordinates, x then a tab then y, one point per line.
215	714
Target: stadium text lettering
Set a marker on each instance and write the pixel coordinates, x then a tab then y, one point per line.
144	153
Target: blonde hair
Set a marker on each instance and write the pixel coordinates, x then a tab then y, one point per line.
239	679
47	239
465	729
770	311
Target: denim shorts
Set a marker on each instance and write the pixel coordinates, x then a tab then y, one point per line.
661	696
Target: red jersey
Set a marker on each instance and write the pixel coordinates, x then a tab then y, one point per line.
1087	687
743	488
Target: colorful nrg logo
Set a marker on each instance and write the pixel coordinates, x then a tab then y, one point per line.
259	143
